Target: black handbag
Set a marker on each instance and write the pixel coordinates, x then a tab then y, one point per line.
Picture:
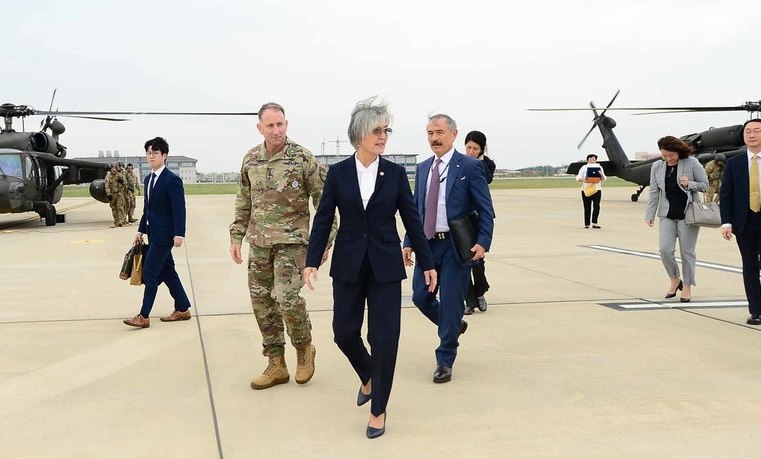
464	232
129	259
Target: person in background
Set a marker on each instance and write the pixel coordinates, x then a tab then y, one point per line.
367	266
740	205
714	171
115	184
133	188
674	183
475	147
591	175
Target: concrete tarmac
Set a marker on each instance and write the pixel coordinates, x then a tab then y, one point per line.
578	355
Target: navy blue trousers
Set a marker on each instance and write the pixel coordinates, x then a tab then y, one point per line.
384	306
446	311
749	242
158	267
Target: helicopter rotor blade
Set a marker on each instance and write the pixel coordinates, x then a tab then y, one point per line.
86	113
655	110
101	118
611	102
578	147
52	99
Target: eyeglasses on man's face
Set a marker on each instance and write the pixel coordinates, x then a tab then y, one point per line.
380	131
153	153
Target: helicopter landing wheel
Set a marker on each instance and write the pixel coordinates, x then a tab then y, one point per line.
635	197
50	215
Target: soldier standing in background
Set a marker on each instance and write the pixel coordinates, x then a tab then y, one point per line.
714	171
277	178
123	189
114	187
133	188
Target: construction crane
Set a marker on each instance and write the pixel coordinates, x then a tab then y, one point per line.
338	143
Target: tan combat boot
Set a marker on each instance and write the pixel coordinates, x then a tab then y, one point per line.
305	364
275	373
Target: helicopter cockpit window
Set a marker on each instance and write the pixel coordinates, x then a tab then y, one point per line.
28	167
10	165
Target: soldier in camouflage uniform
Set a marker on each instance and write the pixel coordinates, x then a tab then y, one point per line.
133	188
115	187
277	178
714	171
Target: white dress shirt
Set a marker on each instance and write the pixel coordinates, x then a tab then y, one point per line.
148	189
366	176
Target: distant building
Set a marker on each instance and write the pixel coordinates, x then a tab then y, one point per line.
181	165
408	160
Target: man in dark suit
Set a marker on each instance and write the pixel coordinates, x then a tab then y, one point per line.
448	186
163	221
741	212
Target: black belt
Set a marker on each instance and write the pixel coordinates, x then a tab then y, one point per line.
442	235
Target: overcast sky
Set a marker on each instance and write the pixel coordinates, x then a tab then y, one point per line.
484	62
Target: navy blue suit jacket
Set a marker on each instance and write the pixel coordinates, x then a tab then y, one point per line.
735	192
164	215
466	191
369	232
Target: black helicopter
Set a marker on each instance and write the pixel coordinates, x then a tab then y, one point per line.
33	168
727	140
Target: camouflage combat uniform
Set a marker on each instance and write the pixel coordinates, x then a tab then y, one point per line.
133	188
116	188
272	211
714	171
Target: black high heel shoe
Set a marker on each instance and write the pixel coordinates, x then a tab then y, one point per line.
678	287
373	432
363	398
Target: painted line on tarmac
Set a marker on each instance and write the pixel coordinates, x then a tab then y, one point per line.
702	264
647	305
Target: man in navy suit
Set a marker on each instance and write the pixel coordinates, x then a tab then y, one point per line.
741	212
448	186
163	221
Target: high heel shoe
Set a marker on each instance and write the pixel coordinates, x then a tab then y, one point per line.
363	398
678	287
373	432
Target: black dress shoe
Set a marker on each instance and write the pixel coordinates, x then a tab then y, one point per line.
463	327
444	374
754	319
363	398
468	310
373	432
482	305
678	287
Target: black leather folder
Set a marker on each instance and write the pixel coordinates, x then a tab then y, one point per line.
464	232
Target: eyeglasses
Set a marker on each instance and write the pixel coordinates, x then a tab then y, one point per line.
755	131
380	131
152	153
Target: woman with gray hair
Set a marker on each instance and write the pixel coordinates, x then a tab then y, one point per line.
367	265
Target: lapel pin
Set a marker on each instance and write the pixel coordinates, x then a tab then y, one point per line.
381	173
